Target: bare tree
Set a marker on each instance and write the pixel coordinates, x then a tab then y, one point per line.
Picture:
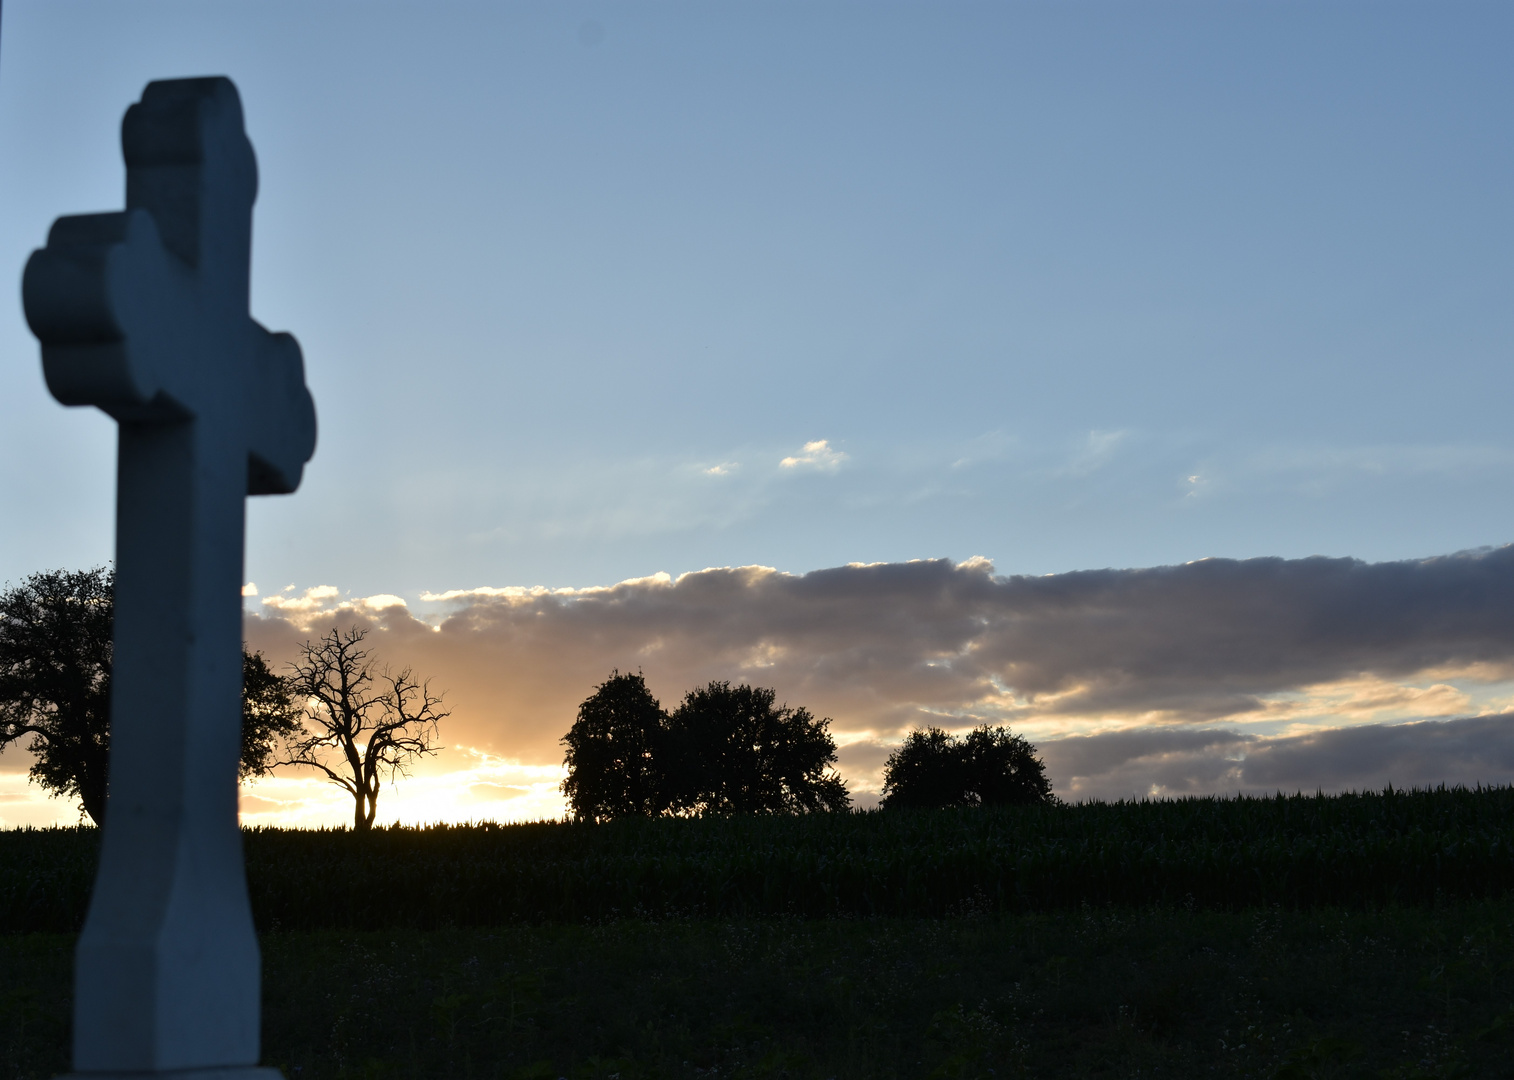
361	722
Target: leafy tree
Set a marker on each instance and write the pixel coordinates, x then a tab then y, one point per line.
725	749
270	715
55	667
989	767
924	771
1002	769
616	748
55	652
734	751
362	722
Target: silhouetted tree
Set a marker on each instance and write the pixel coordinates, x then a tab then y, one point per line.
361	723
734	751
55	667
270	715
1003	770
616	749
989	767
55	652
725	749
925	771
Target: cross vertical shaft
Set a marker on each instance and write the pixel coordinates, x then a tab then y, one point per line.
167	969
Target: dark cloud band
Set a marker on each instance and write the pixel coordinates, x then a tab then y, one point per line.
884	647
1171	762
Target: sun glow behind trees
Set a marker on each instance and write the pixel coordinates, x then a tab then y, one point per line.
1329	674
471	786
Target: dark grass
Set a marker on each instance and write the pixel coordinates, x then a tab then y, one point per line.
1389	993
1297	852
1348	936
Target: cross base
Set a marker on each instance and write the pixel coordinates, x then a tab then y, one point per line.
235	1072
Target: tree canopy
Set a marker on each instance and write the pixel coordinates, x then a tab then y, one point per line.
725	749
990	766
616	752
270	715
737	752
55	670
925	771
55	654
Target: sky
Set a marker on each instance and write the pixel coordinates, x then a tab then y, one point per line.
910	359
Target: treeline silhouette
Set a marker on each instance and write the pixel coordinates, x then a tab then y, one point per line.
733	750
1297	851
724	750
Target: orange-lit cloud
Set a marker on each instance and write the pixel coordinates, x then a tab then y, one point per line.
1218	675
1266	649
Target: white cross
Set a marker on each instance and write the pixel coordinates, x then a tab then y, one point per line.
144	314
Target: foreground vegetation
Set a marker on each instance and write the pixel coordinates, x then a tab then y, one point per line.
1350	851
1362	936
1395	994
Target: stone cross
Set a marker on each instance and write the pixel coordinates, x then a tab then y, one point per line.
144	314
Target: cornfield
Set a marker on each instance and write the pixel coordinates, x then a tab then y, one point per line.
1420	847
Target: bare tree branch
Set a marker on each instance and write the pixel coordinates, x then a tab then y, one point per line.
361	723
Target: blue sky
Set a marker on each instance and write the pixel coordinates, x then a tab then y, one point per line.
1062	285
1069	285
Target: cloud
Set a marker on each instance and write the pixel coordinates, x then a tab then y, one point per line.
1214	675
991	446
816	455
1198	641
314	599
1158	762
382	600
1097	450
1218	675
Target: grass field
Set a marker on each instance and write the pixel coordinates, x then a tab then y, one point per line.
1358	936
1397	993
